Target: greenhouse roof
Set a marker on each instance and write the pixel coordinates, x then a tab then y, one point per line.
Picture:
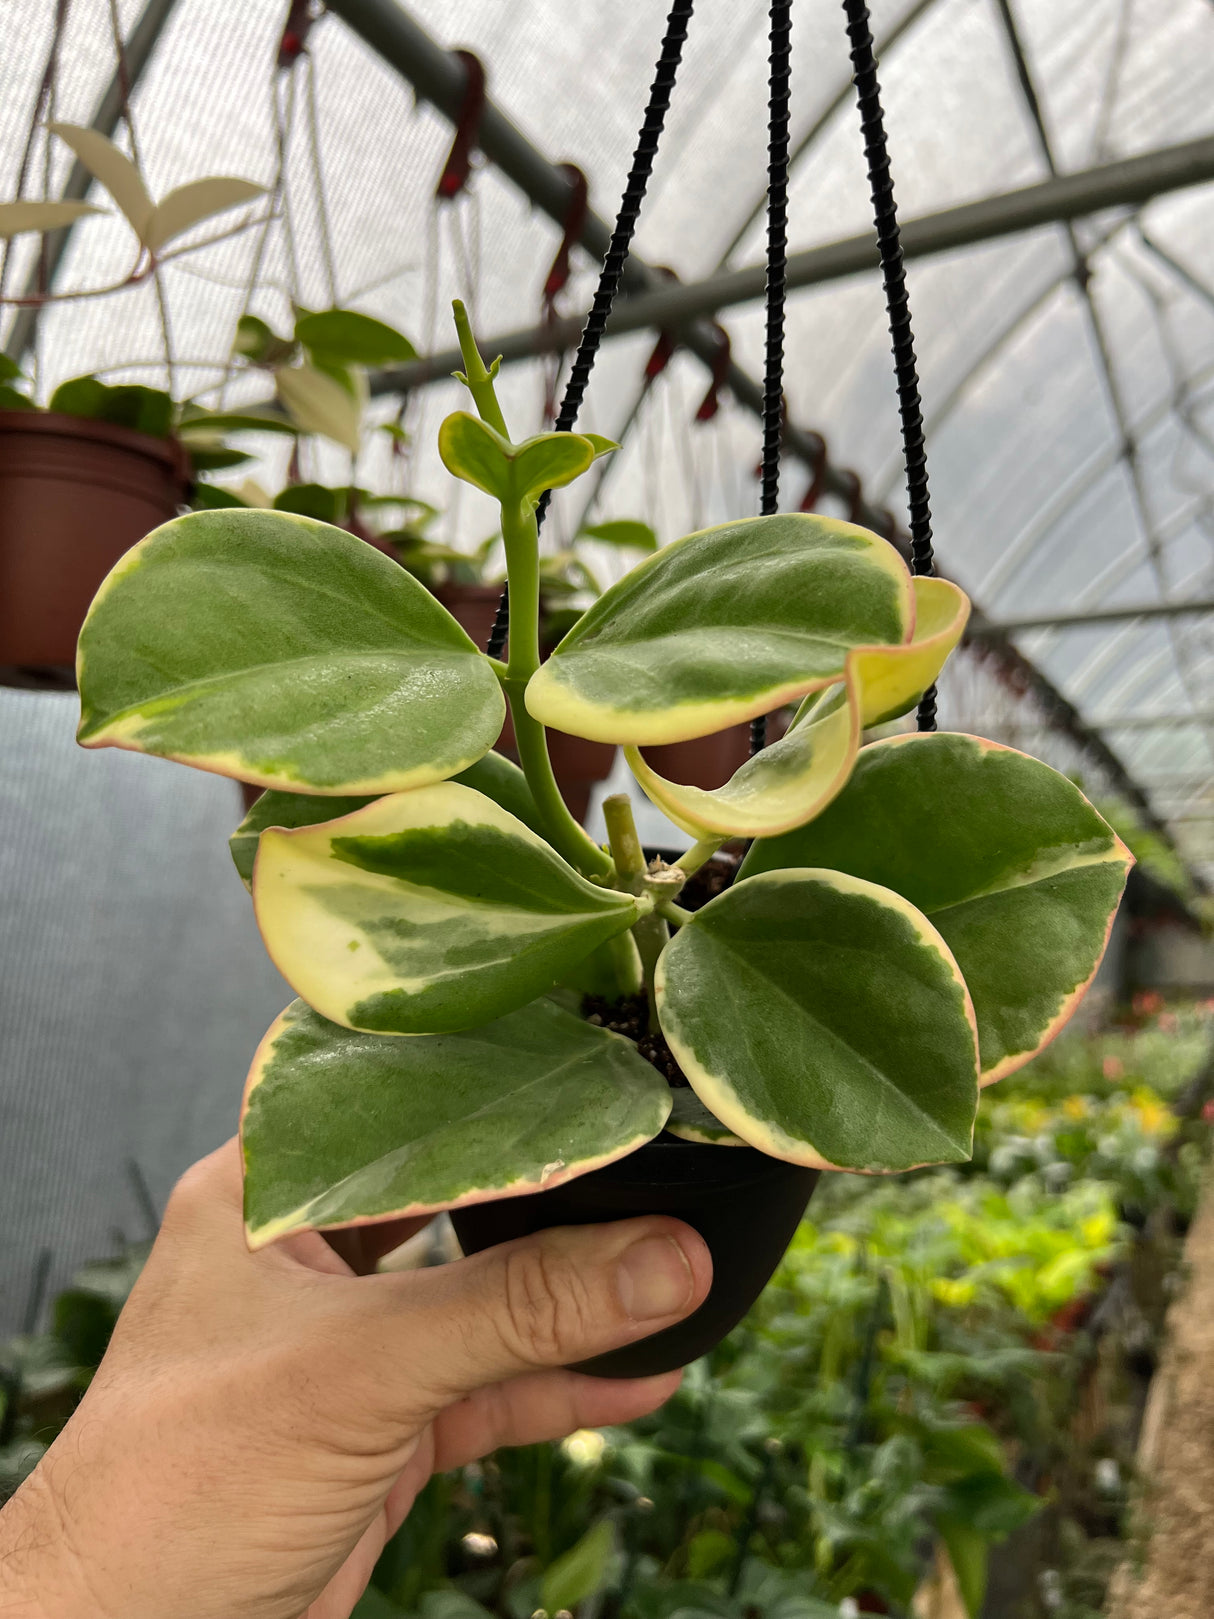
1067	370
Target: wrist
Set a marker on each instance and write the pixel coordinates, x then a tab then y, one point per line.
39	1575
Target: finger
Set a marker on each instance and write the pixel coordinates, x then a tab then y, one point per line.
541	1406
546	1300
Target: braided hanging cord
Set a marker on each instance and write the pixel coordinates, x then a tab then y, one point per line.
613	263
779	80
872	124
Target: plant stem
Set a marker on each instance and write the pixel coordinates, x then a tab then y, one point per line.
674	913
565	834
650	932
478	380
521	538
626	850
698	855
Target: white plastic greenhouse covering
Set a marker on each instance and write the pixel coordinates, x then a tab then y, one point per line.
1043	500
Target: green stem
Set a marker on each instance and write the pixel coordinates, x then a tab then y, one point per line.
674	913
698	855
565	834
626	850
650	932
521	539
475	377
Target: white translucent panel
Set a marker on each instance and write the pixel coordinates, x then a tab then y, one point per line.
1038	506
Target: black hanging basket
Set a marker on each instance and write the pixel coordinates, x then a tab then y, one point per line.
745	1205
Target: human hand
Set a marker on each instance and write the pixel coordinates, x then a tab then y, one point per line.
262	1423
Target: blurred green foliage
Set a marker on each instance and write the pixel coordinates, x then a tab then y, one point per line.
944	1360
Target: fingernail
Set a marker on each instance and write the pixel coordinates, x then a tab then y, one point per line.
654	1279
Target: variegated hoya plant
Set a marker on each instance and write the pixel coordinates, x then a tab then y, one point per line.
914	918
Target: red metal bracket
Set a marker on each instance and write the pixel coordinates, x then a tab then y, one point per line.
458	166
295	31
574	224
711	401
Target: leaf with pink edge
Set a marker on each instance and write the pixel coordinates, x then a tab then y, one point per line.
341	1128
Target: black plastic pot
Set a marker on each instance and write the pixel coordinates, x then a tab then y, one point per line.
744	1204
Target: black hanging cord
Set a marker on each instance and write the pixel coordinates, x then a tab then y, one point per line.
872	124
613	264
779	78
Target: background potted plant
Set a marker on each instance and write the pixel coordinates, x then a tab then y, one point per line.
914	918
84	478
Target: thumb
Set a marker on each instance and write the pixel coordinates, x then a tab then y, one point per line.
542	1301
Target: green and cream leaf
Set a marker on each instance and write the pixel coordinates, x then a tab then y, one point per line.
496	777
723	625
426	912
690	1120
341	1128
1015	868
284	652
514	474
823	1020
782	786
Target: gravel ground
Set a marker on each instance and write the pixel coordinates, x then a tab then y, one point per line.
1175	1580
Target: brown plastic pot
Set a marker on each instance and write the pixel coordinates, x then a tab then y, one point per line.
576	763
74	495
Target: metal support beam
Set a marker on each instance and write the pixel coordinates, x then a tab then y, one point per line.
137	51
670	306
438	76
1089	615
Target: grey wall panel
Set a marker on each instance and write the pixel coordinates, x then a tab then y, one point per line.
133	985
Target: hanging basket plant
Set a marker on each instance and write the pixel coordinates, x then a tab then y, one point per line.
501	1018
915	918
85	478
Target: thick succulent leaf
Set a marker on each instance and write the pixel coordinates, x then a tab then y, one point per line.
284	652
341	1128
783	786
494	776
892	679
107	163
515	474
501	780
16	217
190	204
824	1020
1012	864
690	1120
425	912
353	339
288	810
625	532
723	625
318	403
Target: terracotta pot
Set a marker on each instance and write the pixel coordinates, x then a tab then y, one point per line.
74	495
576	763
709	761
